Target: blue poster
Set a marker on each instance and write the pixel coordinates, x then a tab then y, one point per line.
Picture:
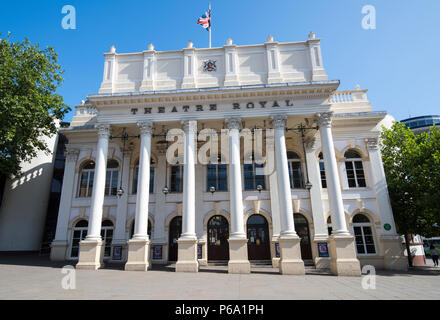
157	252
323	249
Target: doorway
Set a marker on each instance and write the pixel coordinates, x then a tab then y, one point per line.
302	229
175	229
218	234
258	238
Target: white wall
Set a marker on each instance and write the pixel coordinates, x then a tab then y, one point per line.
25	200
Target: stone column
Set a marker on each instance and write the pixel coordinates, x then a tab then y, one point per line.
60	243
343	260
238	254
319	223
91	251
139	245
290	250
187	243
392	245
119	237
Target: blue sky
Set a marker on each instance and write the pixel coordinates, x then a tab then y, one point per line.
398	62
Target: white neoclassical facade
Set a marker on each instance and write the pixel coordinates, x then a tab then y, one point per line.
320	198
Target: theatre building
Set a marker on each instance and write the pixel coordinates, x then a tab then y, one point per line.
320	198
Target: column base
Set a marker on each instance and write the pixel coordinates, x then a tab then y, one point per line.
238	256
275	262
394	259
138	255
58	250
91	255
187	256
343	260
290	260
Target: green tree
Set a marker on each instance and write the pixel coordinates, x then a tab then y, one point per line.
412	167
29	105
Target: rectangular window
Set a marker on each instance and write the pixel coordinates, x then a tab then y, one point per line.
295	174
217	177
251	179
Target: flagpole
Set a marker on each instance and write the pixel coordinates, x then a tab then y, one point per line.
210	22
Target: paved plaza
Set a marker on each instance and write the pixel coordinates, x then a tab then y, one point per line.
34	277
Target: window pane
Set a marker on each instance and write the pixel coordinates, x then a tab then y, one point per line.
135	180
322	172
114	186
151	179
83	184
350	174
107	182
211	176
297	175
248	177
259	179
90	188
222	178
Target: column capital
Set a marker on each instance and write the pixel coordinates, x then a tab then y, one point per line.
233	123
372	143
278	121
189	126
71	154
104	130
145	127
324	119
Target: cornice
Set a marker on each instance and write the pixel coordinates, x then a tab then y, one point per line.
308	89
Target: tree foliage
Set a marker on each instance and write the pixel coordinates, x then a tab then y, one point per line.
29	105
412	167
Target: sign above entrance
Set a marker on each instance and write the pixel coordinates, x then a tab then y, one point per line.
287	103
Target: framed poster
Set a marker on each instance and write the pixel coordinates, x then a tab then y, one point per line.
199	251
323	249
157	252
117	252
277	250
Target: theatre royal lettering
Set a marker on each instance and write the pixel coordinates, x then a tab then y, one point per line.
214	107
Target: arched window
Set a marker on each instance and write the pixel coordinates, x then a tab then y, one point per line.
86	179
355	169
322	170
217	176
79	233
363	234
136	175
251	178
111	178
176	178
295	171
107	236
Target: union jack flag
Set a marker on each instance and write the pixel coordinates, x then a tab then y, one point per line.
205	20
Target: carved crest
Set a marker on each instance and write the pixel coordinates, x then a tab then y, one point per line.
209	66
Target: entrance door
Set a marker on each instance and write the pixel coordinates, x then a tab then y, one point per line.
218	234
175	230
258	238
302	229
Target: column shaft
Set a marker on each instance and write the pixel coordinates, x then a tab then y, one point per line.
97	202
143	187
189	196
